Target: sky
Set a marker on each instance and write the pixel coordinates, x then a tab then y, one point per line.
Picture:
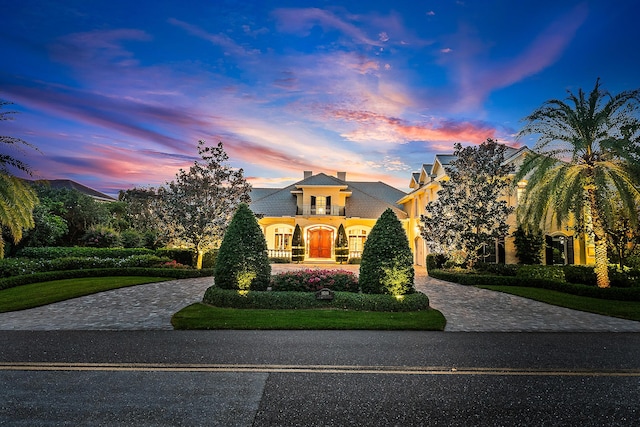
116	94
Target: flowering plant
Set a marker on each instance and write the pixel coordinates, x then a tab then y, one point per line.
311	280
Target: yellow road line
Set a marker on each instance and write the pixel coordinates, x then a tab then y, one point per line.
323	369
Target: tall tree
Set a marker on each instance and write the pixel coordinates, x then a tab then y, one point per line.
200	202
468	214
17	198
585	157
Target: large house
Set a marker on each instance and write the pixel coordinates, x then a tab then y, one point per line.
320	203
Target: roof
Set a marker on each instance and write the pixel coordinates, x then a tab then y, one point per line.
367	199
72	185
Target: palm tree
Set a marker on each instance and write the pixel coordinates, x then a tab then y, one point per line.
585	154
17	198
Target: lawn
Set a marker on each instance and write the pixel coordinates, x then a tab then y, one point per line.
202	316
623	309
43	293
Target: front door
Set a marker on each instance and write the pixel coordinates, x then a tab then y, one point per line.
320	243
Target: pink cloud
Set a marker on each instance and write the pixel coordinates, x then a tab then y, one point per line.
373	125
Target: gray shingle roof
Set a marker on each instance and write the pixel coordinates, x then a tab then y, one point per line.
367	200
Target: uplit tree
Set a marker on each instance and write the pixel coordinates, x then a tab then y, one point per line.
144	213
297	245
585	158
387	261
341	246
242	261
200	202
469	214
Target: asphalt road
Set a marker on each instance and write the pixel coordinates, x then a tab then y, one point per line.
318	378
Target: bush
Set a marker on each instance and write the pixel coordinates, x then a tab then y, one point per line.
54	252
209	258
436	261
355	260
305	300
341	246
618	294
131	239
497	269
101	237
242	259
297	245
583	274
311	280
546	272
279	260
183	256
387	261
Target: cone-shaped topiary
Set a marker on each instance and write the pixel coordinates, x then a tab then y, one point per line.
297	245
242	261
342	246
387	262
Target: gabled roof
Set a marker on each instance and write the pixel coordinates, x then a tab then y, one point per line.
72	185
320	179
371	199
415	180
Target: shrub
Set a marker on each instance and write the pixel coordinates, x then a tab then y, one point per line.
242	261
183	256
53	252
279	260
209	258
435	261
498	269
311	280
528	246
355	260
546	272
305	300
341	246
580	274
130	239
387	261
297	245
101	237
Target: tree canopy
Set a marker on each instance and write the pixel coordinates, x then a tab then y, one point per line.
470	213
585	158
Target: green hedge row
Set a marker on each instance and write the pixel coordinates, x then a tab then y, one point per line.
175	273
182	256
619	294
305	300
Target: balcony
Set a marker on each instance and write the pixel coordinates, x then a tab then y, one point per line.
331	210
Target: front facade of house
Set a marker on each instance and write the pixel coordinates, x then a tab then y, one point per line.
319	204
561	246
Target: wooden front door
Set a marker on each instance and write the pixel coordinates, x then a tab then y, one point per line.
320	243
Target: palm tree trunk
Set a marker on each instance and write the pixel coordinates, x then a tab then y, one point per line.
599	237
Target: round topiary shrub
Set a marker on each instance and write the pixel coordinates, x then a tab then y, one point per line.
242	262
387	261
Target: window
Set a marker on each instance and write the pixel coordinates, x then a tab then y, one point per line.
320	205
357	237
559	250
283	239
493	253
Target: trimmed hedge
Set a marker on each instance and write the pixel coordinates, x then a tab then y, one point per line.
273	300
619	294
54	252
311	280
175	273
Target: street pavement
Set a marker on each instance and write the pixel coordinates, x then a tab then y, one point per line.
112	360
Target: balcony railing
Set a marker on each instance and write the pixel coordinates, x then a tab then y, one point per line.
333	210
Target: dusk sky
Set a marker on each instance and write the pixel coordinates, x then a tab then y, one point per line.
116	94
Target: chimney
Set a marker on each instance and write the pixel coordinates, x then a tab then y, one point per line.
342	176
307	174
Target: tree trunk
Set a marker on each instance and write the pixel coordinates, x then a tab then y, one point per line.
199	259
600	241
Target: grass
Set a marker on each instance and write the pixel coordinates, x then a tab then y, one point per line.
43	293
202	316
622	309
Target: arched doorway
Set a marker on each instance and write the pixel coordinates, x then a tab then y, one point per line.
320	242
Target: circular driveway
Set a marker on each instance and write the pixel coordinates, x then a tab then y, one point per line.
150	307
